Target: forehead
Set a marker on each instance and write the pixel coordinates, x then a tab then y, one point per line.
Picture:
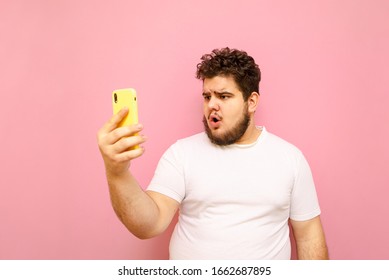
220	84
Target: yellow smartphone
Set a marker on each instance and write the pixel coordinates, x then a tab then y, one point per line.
126	97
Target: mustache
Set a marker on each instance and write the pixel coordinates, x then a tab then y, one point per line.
214	115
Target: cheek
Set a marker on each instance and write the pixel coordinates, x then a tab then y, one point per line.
235	113
205	109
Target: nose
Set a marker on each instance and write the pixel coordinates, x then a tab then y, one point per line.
213	104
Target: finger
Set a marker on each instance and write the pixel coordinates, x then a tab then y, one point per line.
115	120
122	132
130	155
128	143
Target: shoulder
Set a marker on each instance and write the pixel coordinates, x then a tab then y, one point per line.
286	154
279	143
281	149
188	145
196	140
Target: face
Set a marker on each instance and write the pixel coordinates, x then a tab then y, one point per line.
226	117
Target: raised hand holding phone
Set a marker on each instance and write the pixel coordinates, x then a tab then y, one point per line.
122	98
119	139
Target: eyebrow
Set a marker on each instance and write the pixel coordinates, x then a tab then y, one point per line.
218	92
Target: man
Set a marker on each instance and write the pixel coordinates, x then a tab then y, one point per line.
236	185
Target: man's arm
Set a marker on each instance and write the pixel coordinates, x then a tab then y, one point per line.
145	214
310	240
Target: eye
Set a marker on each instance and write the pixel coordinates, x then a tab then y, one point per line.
224	97
206	97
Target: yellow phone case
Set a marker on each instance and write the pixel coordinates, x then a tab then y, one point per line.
126	98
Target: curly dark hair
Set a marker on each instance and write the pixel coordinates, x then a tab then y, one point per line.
231	62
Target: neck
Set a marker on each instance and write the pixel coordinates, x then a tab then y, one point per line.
251	135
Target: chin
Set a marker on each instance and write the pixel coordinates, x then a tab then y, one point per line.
224	138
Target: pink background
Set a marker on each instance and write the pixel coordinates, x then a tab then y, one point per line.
325	86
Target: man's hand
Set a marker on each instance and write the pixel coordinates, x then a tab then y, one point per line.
115	144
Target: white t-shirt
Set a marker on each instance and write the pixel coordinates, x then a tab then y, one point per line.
235	201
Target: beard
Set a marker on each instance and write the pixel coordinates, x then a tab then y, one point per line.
231	136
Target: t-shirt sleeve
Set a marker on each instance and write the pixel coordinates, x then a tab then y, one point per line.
304	202
168	178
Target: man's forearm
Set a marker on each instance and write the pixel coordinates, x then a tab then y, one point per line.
312	250
135	209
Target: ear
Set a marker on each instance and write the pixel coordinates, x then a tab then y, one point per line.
253	102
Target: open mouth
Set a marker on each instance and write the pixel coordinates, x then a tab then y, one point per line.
214	117
214	120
